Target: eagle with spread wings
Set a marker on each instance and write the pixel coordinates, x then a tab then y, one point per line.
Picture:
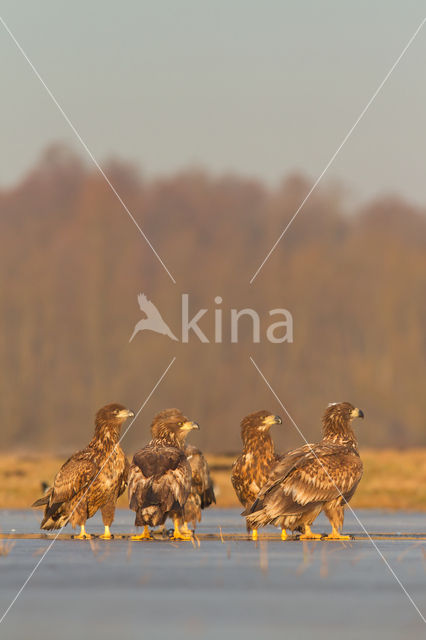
315	477
251	469
91	479
160	475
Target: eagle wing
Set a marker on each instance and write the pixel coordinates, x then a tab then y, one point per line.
310	475
246	488
75	475
124	477
201	480
74	478
249	474
159	476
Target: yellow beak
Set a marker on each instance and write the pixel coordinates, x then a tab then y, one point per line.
125	413
189	426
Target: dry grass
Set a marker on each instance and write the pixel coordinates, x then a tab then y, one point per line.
392	480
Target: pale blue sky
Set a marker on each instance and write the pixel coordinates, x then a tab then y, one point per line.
258	88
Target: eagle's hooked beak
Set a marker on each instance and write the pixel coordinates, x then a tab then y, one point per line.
357	413
125	413
270	420
189	426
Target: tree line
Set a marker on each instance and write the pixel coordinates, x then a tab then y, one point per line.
72	264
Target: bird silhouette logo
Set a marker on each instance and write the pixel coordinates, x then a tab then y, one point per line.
153	320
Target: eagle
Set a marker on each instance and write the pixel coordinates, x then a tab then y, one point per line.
91	479
160	475
251	469
315	477
202	491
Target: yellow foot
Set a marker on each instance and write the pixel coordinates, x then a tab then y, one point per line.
145	535
336	535
283	534
107	534
254	535
180	535
186	530
309	535
83	535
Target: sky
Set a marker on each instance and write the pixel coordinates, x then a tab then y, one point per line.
261	89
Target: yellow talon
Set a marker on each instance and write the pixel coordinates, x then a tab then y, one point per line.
283	534
254	534
180	535
309	535
335	535
83	535
145	535
106	534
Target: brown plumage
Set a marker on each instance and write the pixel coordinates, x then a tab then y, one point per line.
316	477
160	474
201	494
202	490
91	479
252	468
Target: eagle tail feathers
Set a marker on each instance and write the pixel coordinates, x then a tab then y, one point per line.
41	502
252	508
55	521
208	497
257	519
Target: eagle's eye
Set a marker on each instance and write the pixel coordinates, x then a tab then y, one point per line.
115	412
180	424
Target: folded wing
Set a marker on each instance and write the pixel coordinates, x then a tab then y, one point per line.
202	484
159	484
307	476
72	480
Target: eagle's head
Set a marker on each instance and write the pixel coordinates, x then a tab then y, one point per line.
111	417
255	424
337	419
171	426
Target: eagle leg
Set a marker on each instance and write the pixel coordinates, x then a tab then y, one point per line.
254	534
309	535
185	529
283	534
180	535
145	535
335	535
83	535
106	534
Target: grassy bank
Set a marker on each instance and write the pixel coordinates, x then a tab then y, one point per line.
392	480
